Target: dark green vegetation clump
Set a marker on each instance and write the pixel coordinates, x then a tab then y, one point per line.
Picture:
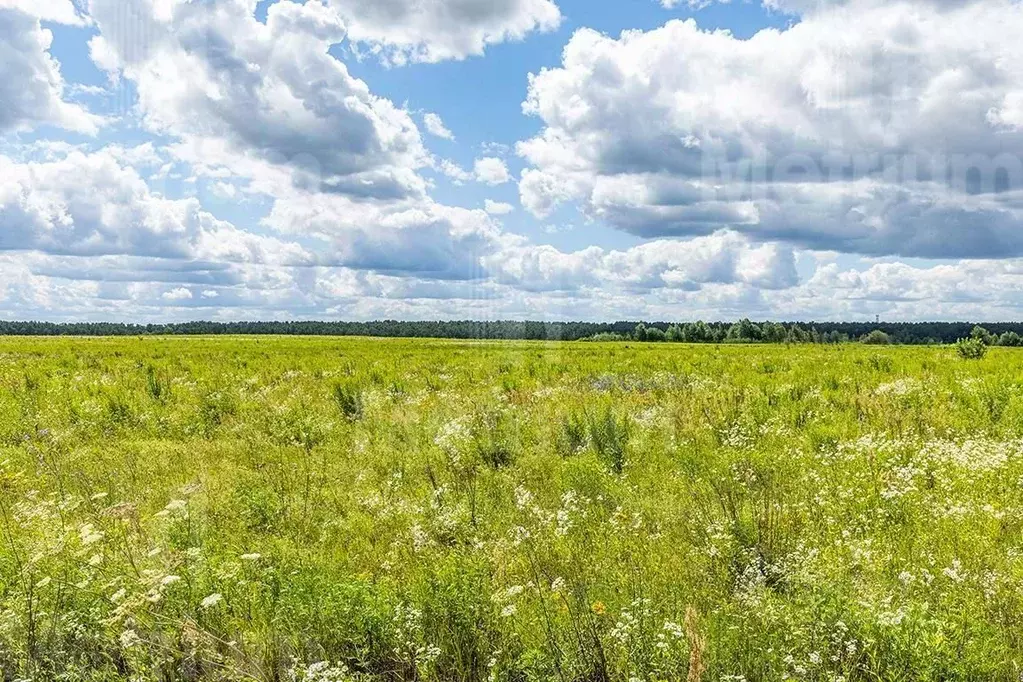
321	509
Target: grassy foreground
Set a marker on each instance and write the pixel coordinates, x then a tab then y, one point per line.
322	509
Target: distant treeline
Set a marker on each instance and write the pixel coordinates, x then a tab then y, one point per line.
745	331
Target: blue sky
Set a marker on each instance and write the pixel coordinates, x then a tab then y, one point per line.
540	159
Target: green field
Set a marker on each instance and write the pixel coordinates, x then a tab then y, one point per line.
325	509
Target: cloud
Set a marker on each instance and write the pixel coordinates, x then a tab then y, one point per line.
267	104
497	207
402	31
968	289
422	238
179	294
457	174
713	277
871	128
719	259
91	219
224	190
57	11
695	4
488	170
808	7
261	100
491	171
435	126
31	86
92	205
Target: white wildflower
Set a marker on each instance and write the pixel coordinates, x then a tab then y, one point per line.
955	572
174	507
523	498
129	638
212	600
89	535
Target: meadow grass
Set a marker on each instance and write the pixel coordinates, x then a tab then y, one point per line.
324	509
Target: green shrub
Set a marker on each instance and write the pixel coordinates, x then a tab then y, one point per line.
971	349
492	438
877	338
983	335
1010	339
609	436
348	398
881	363
572	434
157	388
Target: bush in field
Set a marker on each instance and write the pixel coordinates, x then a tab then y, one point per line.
877	338
572	434
983	335
609	436
972	348
491	433
156	388
1010	339
608	336
348	398
881	363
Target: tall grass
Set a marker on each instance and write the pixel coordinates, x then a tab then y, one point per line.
316	509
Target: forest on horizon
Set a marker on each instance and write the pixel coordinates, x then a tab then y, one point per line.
743	331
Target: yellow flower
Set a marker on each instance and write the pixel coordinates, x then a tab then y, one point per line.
599	608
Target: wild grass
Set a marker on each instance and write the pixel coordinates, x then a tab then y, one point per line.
321	509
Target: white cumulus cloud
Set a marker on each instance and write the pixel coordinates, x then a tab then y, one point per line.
491	171
867	127
179	294
93	205
497	207
31	85
403	31
260	99
57	11
435	126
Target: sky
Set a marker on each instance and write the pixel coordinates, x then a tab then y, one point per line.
169	160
